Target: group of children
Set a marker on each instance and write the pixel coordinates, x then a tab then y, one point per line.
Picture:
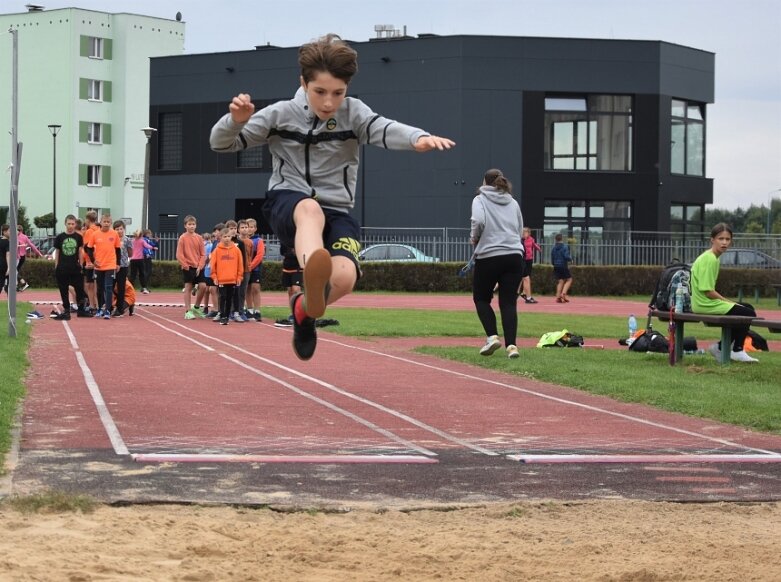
91	266
223	269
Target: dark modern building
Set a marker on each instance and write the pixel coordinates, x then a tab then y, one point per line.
596	135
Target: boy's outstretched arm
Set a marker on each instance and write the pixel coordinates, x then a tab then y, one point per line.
427	143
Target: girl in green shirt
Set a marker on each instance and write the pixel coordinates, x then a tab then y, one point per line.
705	298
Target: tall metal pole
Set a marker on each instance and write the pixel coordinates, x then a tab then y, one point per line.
14	202
148	132
55	129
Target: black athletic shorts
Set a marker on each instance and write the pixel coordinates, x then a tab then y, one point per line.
189	275
340	235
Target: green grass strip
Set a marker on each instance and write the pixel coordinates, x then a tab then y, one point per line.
13	355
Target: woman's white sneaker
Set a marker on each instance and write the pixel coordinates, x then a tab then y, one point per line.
492	344
512	351
741	356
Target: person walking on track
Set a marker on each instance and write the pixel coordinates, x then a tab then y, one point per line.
496	228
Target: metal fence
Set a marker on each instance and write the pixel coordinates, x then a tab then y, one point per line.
621	248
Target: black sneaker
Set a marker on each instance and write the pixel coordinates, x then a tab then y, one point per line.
223	321
83	312
285	321
64	316
130	310
304	333
117	313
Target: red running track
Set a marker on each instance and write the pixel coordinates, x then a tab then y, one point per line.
155	384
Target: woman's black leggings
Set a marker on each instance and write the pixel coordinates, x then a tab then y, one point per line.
506	271
739	333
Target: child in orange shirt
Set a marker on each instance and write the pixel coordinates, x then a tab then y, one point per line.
129	300
191	254
227	265
104	251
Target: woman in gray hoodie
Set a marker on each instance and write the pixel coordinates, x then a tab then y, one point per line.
496	230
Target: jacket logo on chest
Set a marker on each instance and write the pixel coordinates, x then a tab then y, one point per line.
330	125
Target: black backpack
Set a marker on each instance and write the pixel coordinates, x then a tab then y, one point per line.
673	275
650	341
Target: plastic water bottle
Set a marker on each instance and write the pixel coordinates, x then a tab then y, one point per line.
679	299
632	325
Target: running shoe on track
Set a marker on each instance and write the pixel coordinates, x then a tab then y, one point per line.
304	333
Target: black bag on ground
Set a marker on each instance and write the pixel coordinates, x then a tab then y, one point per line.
673	275
758	341
650	341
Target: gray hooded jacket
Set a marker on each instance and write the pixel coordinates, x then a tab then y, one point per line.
497	224
316	157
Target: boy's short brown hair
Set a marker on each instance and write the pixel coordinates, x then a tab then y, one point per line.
328	54
189	218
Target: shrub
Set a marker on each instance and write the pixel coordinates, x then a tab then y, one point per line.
441	277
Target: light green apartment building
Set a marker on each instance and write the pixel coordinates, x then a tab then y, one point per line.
88	72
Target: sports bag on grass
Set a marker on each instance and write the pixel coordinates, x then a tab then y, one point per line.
650	341
560	339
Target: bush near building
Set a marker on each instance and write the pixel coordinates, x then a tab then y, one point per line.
442	278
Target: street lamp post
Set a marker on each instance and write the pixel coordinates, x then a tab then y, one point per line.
148	132
54	129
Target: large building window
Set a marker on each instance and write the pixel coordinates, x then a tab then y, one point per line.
170	141
687	138
592	132
595	230
686	221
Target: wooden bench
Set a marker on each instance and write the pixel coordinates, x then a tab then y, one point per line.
725	322
771	325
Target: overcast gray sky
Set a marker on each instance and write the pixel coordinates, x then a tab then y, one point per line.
744	125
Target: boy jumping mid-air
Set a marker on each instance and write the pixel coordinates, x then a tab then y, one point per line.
314	140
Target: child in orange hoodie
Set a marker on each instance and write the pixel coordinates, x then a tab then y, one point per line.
130	297
227	271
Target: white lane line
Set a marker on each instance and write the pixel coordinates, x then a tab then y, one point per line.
560	400
354	417
324	459
105	416
682	458
415	422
